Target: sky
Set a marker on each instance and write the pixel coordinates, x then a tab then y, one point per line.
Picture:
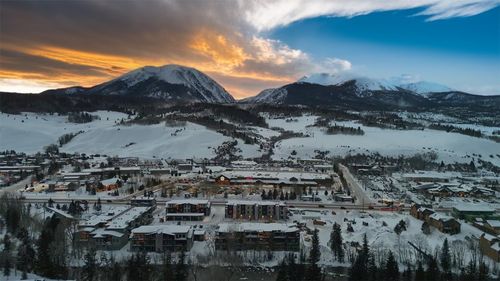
248	46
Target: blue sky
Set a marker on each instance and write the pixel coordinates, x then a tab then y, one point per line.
250	45
461	52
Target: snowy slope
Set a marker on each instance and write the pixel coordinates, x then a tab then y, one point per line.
177	74
450	147
351	84
30	133
363	83
273	96
174	83
424	87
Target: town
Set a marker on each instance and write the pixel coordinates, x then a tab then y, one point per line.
227	214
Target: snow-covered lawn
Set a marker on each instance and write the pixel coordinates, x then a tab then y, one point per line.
450	147
381	236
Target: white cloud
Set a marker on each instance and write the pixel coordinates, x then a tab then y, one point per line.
25	86
266	15
335	65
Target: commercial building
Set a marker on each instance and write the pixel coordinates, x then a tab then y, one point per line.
256	210
161	238
258	236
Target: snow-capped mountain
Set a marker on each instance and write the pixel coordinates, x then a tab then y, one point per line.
365	84
174	83
351	91
425	87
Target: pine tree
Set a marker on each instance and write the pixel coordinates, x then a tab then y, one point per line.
407	274
89	270
6	265
470	272
314	271
116	271
366	249
336	242
372	269
426	229
282	272
432	273
419	273
483	272
445	261
391	268
181	269
167	271
359	268
293	270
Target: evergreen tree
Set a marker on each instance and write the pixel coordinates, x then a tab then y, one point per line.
432	273
419	273
116	271
372	269
359	268
89	269
167	271
293	270
426	229
391	268
181	273
6	265
407	274
336	242
483	272
25	252
282	272
366	249
138	267
314	271
445	261
470	272
43	264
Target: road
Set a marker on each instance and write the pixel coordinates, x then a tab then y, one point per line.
220	202
17	186
356	188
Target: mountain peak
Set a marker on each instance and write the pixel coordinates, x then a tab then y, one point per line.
172	82
363	83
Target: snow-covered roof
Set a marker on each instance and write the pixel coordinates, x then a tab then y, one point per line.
123	220
170	229
104	217
473	208
441	217
254	202
187	201
257	227
493	223
60	212
243	163
274	175
432	174
102	232
489	237
199	232
185	215
110	181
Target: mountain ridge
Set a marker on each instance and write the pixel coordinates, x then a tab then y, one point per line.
170	82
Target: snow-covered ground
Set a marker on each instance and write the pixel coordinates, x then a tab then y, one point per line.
450	147
30	133
380	232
